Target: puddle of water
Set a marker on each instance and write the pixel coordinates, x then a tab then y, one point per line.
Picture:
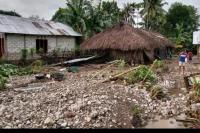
162	123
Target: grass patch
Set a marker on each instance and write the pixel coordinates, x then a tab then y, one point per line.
137	118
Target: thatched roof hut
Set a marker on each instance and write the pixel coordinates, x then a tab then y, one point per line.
125	42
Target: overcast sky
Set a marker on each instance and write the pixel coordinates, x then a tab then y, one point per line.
46	8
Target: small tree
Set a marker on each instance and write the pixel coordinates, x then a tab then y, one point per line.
32	52
24	54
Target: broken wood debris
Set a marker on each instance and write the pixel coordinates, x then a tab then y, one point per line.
120	74
149	71
112	64
75	61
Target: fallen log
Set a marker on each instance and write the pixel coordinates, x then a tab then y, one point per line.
121	74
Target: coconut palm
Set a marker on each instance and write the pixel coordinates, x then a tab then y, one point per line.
128	13
152	9
101	17
76	13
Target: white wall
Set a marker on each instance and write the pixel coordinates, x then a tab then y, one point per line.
15	43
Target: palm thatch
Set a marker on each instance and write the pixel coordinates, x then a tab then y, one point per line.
123	38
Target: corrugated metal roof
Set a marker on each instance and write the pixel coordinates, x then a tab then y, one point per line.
18	25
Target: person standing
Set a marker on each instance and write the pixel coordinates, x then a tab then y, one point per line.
182	62
190	55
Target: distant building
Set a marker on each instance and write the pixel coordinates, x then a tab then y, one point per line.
196	41
18	33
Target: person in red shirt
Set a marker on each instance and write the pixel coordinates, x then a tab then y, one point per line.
190	56
182	61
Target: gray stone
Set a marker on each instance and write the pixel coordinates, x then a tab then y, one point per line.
64	124
48	121
88	119
94	114
2	109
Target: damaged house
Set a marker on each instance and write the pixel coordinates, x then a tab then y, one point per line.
122	41
18	33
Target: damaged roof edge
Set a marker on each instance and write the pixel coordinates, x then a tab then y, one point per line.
19	25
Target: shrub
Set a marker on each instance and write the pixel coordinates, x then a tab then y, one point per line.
24	55
7	70
56	52
139	74
158	64
32	51
3	82
136	120
121	64
37	66
196	88
156	92
159	67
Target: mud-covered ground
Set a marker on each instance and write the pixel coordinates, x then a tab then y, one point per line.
81	101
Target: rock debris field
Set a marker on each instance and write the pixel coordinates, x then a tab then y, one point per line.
81	102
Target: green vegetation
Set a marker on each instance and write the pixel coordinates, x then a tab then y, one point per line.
11	13
89	20
7	70
177	24
121	64
158	64
24	55
57	52
73	69
159	67
137	119
139	75
156	92
37	66
196	91
136	110
32	52
182	21
153	14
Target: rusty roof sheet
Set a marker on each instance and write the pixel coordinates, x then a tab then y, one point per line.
18	25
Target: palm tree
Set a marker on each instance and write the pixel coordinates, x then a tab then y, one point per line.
88	19
128	13
102	16
152	9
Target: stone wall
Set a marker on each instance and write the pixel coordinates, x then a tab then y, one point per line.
15	43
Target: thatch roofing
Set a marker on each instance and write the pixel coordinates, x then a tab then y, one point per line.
124	37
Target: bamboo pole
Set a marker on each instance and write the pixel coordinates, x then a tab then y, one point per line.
113	63
149	70
121	74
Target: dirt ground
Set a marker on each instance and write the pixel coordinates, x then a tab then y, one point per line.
83	101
